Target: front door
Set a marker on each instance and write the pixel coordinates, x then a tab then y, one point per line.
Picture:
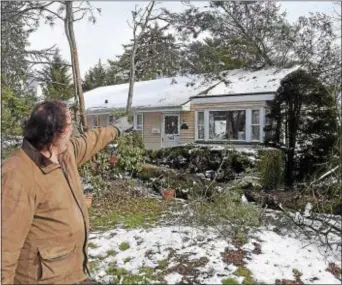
171	129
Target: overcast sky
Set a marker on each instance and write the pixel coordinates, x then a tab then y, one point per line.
103	40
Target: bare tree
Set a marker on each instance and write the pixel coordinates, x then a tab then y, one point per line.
69	31
338	16
141	20
69	12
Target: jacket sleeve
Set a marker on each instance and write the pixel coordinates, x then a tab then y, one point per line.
85	146
18	205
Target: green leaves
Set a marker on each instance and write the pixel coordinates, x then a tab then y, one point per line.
131	153
56	78
14	109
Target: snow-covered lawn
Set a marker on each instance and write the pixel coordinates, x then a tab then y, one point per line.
174	254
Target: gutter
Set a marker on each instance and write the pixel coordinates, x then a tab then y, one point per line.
234	94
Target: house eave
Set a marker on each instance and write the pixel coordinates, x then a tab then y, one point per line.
232	94
177	108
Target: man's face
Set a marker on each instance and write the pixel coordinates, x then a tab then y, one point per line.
62	142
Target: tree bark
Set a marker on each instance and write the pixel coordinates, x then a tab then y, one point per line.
142	23
131	80
292	133
69	30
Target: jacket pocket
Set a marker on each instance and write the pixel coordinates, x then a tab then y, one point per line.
56	261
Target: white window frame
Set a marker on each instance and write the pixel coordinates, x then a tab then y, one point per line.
110	123
196	125
95	120
255	125
248	123
226	110
136	126
162	135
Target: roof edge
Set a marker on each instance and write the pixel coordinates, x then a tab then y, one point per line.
233	94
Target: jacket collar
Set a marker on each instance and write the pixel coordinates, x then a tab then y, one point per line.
45	164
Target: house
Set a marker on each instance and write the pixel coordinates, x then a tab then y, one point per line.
174	111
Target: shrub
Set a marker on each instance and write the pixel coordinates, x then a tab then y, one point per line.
239	162
271	168
131	152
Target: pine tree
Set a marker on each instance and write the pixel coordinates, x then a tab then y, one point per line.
95	77
117	72
210	56
16	95
56	79
304	116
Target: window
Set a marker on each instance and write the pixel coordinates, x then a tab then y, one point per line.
95	121
139	122
171	125
227	125
255	125
200	125
111	120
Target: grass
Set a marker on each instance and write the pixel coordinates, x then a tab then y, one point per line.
163	264
93	267
92	245
124	246
226	207
296	273
100	257
120	274
248	277
150	274
111	252
240	238
127	259
113	270
146	270
131	213
229	281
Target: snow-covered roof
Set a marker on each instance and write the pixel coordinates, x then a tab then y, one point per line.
247	81
170	92
153	93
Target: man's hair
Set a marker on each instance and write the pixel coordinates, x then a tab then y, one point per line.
47	122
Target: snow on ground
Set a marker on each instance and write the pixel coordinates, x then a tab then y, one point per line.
11	141
203	250
148	246
281	254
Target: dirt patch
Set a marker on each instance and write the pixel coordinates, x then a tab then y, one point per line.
149	253
335	270
189	269
234	256
257	248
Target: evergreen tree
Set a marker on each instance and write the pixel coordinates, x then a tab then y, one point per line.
210	56
57	79
17	95
95	77
117	72
303	122
252	31
258	35
157	55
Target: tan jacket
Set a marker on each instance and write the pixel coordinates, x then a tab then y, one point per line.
44	218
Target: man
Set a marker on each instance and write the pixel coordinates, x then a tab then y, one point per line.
44	217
